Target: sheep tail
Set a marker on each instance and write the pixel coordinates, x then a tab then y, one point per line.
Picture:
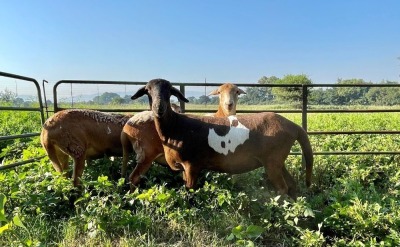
307	154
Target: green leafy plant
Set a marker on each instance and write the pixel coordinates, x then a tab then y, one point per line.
11	225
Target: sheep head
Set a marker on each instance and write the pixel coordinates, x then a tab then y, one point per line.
228	96
159	92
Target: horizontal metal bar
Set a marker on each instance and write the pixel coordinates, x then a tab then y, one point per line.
20	77
6	167
353	85
3	138
100	82
202	84
14	108
352	110
351	153
106	110
4	74
247	111
362	132
244	111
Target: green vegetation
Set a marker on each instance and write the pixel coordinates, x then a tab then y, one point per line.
354	200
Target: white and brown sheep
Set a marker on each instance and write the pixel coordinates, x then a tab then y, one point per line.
140	134
236	144
82	135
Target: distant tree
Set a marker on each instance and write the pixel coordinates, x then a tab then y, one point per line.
127	99
204	99
7	96
214	100
352	95
318	97
259	95
192	99
18	101
384	95
106	98
143	100
117	101
291	94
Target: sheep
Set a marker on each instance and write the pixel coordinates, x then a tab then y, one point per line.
83	135
139	133
234	145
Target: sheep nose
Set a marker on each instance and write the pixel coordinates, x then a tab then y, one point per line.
229	105
159	110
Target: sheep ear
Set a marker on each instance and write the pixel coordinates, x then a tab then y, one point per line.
178	94
142	91
215	92
241	91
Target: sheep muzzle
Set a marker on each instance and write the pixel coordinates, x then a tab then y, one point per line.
159	109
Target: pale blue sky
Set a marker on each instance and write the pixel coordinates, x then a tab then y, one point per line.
188	41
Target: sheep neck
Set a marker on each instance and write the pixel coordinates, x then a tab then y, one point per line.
221	112
166	127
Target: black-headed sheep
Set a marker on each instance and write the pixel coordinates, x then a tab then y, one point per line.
236	144
140	134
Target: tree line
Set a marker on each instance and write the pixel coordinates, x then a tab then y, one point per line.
365	95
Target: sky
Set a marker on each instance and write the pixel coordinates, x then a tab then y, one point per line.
193	41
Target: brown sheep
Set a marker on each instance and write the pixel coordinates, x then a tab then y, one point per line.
236	144
140	134
83	135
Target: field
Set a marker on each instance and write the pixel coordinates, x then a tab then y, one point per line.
354	199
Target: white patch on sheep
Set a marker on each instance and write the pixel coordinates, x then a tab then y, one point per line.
236	136
108	130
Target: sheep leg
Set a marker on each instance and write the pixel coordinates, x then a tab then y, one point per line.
79	165
58	159
140	169
126	152
190	175
276	176
292	190
125	159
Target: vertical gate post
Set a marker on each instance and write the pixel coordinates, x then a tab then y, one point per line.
304	107
304	116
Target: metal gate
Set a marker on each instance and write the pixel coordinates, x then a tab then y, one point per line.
32	109
304	111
